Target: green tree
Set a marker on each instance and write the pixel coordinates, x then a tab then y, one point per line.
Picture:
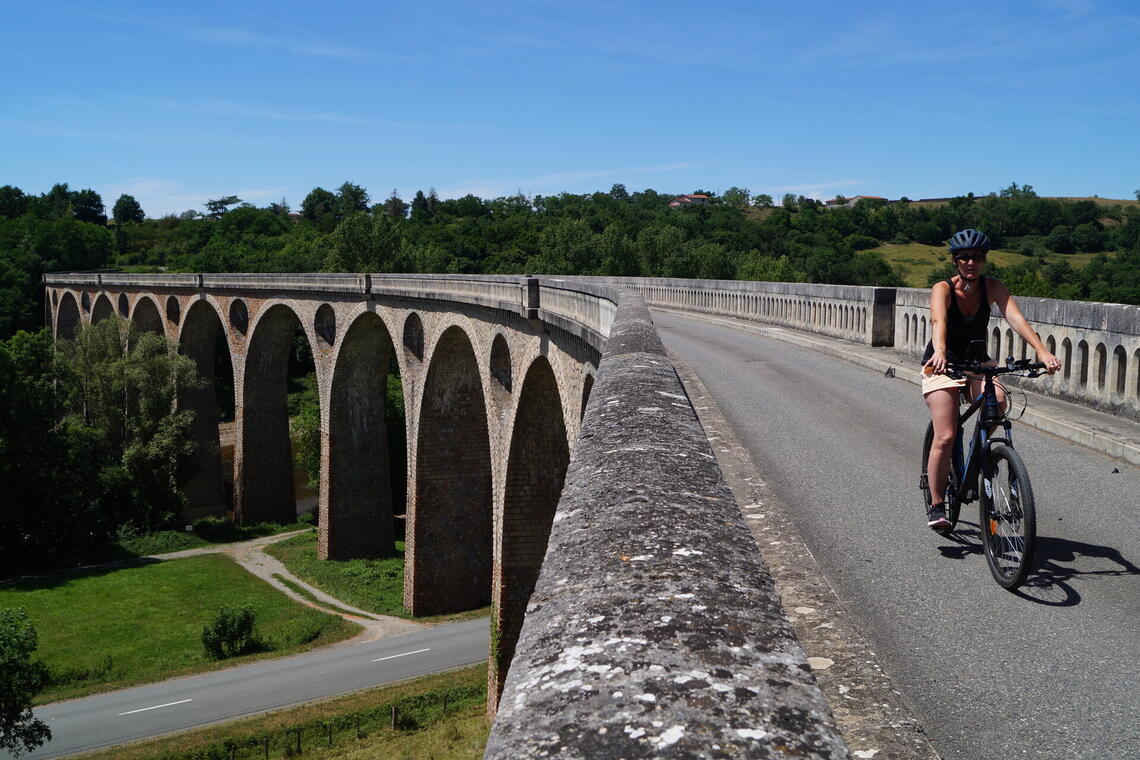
737	197
1060	240
618	192
87	206
217	207
21	678
762	201
320	208
395	207
365	242
13	202
127	210
350	198
790	202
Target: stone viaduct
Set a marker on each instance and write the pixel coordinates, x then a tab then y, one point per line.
556	471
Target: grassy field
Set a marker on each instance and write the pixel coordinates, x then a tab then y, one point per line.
107	629
916	261
424	731
375	585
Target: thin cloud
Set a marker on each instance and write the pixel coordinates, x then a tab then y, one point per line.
245	38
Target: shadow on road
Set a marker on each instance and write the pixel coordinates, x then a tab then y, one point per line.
1050	583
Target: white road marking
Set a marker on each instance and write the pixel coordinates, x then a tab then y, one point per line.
405	654
144	709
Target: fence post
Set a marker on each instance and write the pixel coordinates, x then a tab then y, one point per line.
394	717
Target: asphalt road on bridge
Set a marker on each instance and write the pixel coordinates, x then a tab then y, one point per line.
1050	672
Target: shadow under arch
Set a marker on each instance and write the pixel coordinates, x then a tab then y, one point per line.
102	308
263	479
67	317
202	339
448	550
536	471
146	317
356	497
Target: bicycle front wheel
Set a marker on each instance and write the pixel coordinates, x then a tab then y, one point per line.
1008	517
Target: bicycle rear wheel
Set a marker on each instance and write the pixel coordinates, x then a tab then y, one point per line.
950	491
1008	518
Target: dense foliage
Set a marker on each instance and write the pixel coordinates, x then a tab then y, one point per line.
21	678
90	446
616	233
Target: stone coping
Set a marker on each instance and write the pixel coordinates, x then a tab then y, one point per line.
654	629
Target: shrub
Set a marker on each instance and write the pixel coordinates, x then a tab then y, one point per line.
231	634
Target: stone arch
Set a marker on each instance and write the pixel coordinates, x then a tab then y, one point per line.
995	347
448	556
124	306
536	469
145	317
102	308
414	336
85	302
1067	359
356	496
324	324
208	491
1100	354
502	381
1119	370
587	387
173	310
1083	358
264	480
67	317
1008	345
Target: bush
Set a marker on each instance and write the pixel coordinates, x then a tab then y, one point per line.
231	634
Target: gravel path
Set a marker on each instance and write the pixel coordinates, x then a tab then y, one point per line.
250	555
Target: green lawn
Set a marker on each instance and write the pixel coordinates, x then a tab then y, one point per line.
111	628
375	585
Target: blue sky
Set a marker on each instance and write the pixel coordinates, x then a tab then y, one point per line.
176	103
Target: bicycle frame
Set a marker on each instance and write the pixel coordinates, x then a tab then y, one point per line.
968	464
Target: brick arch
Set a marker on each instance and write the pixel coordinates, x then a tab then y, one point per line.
448	556
146	316
536	469
264	482
67	317
356	492
102	308
200	338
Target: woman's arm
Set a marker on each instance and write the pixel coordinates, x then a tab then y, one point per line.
939	309
999	294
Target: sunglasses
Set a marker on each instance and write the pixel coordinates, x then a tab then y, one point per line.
970	257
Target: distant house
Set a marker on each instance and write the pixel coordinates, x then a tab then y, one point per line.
689	200
844	202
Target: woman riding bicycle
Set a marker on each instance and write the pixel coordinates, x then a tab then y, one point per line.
959	314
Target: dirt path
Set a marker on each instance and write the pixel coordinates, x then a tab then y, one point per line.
250	555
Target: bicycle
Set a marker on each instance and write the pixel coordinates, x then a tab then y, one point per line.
992	470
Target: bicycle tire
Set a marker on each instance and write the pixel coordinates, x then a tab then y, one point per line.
951	491
1008	517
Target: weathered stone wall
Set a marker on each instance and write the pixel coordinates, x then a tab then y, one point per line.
654	630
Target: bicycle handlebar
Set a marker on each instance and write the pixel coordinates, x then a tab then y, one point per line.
1030	368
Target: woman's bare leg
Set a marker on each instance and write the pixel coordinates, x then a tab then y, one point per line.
943	405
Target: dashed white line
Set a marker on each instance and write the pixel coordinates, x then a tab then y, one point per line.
405	654
155	707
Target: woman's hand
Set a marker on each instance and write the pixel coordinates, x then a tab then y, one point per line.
1052	363
936	364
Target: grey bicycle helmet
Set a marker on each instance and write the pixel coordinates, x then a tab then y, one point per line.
968	238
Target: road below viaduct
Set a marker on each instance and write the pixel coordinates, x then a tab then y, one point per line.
1049	672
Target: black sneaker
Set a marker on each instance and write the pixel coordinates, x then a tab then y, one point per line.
936	518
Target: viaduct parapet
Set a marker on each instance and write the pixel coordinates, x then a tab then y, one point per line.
557	469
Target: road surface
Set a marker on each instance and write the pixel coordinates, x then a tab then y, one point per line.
183	703
1050	672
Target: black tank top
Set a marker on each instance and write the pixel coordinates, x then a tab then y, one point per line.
961	329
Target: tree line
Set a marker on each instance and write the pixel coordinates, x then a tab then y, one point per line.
615	233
